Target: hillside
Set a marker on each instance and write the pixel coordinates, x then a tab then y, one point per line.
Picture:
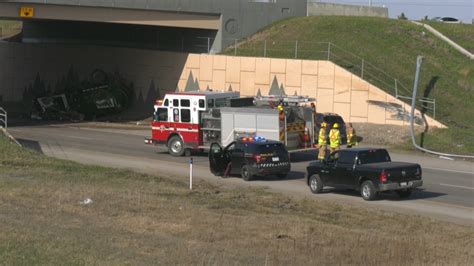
389	49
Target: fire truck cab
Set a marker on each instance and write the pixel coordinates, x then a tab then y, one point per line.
177	118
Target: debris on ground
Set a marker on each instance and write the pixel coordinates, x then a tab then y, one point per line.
86	201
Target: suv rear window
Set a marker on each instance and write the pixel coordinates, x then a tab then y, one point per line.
279	148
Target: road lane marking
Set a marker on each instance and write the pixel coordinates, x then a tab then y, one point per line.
448	185
446	170
77	137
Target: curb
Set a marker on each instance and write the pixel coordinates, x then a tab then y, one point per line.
8	135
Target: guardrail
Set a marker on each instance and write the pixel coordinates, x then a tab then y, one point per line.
3	118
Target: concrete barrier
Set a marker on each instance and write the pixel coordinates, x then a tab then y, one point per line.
329	9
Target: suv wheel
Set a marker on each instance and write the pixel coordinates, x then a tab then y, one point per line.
367	190
175	146
315	184
246	173
403	194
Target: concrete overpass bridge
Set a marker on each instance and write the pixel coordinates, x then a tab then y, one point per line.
177	25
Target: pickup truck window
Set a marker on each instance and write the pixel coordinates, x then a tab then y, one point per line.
373	156
333	157
347	157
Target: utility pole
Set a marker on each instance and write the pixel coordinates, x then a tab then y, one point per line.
370	3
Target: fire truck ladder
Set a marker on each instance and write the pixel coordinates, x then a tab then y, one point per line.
285	99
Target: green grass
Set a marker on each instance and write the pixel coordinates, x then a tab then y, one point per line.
9	27
389	45
462	34
144	219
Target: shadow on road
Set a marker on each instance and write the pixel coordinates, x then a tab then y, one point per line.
30	144
391	195
273	178
304	156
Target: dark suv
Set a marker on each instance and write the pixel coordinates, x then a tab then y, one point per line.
330	119
250	157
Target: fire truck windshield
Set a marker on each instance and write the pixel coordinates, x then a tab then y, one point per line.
161	114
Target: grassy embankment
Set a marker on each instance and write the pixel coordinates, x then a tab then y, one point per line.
143	219
462	34
9	27
392	46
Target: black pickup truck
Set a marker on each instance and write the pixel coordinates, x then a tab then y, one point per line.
367	170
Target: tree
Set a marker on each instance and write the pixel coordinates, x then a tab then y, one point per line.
402	16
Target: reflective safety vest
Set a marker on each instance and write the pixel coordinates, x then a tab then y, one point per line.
351	136
335	138
322	137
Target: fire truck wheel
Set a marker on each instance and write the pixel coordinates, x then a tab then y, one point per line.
175	146
246	173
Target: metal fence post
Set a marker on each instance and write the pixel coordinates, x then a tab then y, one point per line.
208	45
296	49
396	88
235	47
362	69
265	49
329	51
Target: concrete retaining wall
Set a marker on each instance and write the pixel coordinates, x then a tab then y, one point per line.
154	73
328	9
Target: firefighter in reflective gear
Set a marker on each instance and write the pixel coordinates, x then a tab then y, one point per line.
351	136
322	141
335	138
281	112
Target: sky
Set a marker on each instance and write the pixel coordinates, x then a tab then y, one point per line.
418	9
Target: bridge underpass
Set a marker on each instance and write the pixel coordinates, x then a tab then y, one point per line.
160	30
66	46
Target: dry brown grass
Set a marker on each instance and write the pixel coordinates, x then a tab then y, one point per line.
141	219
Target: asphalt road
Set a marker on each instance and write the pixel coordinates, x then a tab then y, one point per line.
447	193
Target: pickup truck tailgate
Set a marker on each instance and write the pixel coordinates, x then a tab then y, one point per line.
401	172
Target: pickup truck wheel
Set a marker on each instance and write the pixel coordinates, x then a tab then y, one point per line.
403	194
315	184
367	190
245	172
175	146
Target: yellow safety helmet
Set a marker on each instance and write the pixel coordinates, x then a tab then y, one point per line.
336	125
280	108
324	124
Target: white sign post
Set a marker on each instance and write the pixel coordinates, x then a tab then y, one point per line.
191	173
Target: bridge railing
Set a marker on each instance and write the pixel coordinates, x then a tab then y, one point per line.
3	118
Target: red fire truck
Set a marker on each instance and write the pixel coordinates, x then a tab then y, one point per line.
194	120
